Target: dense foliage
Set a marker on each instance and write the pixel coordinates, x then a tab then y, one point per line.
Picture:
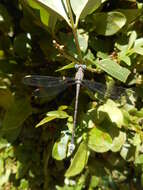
49	38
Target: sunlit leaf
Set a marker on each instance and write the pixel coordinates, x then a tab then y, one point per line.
114	113
109	23
114	69
57	6
69	66
138	46
79	161
99	141
5	19
118	142
132	39
82	8
47	17
59	114
60	148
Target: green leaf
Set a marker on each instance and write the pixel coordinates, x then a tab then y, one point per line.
6	98
46	120
125	58
131	14
109	23
60	148
132	39
63	107
128	152
138	46
59	114
114	113
19	111
99	141
113	69
79	161
22	45
47	17
57	7
5	19
118	142
69	66
139	159
83	40
82	8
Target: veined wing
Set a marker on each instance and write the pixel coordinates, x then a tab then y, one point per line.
46	81
114	92
47	85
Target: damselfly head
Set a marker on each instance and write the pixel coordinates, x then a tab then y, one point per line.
77	66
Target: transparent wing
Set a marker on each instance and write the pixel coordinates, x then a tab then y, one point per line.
47	85
46	81
50	91
112	92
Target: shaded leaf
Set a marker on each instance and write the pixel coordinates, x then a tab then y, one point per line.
128	152
22	45
5	19
19	111
6	98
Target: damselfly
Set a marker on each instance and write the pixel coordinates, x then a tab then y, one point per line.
50	83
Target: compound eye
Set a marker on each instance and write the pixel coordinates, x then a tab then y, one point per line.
84	67
76	66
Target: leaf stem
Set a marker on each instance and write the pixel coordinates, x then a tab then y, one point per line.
74	29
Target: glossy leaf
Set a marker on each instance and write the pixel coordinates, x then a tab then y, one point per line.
130	14
82	8
83	40
138	47
57	7
113	69
132	39
114	113
128	152
79	161
109	23
69	66
47	18
59	114
60	148
99	141
118	142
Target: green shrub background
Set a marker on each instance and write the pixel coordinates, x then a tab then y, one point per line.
35	133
